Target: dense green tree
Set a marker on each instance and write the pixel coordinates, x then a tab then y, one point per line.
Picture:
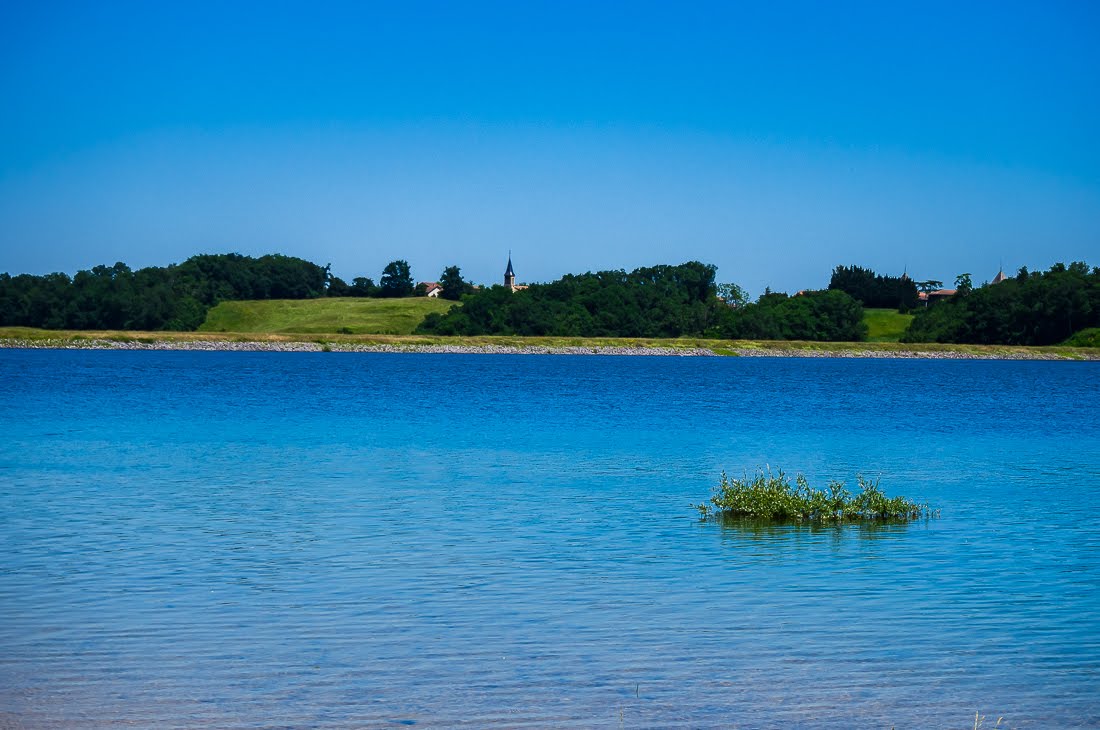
1034	308
363	287
155	298
454	286
931	285
658	301
829	316
873	290
963	284
396	280
337	287
732	294
212	278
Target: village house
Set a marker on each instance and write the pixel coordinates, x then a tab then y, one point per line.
432	288
931	297
939	295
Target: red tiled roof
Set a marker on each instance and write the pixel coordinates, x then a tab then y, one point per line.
924	296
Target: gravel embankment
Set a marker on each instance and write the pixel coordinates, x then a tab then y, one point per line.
910	354
226	346
351	347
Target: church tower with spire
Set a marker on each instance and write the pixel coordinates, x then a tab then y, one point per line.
509	275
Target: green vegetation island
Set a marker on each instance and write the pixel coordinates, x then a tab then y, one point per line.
770	496
235	302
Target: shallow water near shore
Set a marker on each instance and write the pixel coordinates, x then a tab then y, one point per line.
368	540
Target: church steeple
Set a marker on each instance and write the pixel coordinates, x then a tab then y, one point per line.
509	275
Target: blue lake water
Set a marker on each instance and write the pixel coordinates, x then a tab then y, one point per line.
357	540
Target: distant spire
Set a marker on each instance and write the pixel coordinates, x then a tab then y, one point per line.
509	275
1000	275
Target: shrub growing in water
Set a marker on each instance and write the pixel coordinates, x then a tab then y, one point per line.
768	496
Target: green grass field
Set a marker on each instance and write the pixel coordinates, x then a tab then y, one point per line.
401	316
885	325
1085	338
323	316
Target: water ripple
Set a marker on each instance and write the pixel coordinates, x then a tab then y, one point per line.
261	540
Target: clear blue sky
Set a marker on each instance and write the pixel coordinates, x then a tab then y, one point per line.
772	139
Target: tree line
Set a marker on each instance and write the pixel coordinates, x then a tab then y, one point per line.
656	301
875	290
178	296
1034	308
174	297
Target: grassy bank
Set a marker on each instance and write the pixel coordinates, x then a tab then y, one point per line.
1085	338
885	325
17	336
401	316
323	316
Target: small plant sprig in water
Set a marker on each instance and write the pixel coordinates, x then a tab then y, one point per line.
771	496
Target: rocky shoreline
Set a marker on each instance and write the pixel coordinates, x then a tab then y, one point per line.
258	346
